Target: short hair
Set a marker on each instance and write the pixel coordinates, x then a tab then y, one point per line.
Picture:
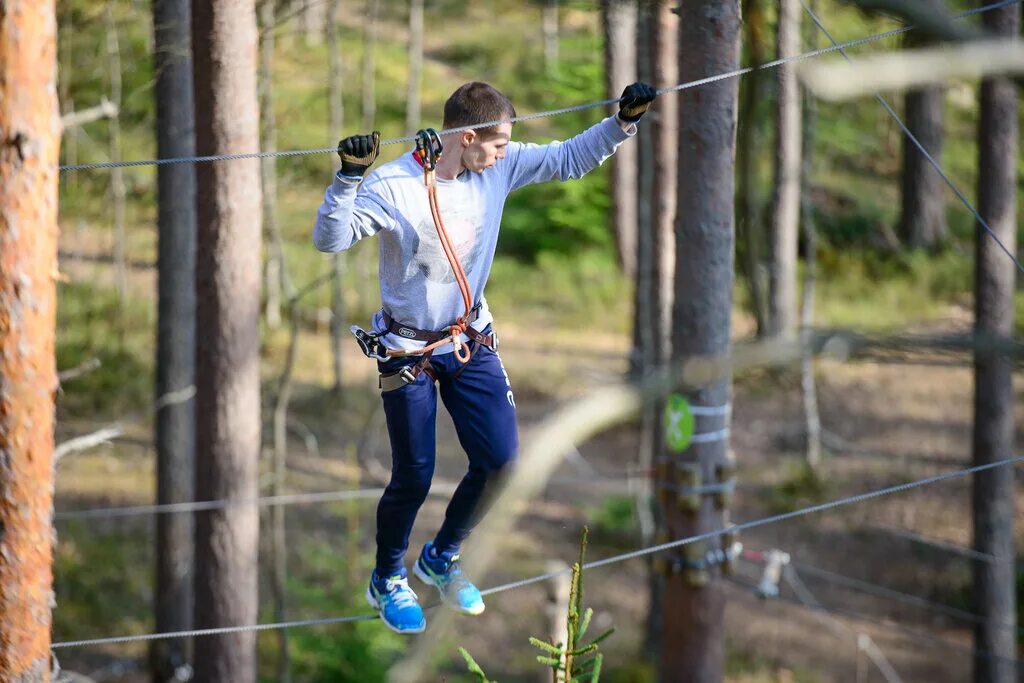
475	103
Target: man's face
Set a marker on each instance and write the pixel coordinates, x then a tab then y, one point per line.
481	151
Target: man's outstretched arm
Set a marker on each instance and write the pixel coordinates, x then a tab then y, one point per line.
573	158
350	213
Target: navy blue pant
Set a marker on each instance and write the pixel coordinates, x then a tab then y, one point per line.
479	398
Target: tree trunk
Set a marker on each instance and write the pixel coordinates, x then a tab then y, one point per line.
645	318
29	158
995	276
923	217
312	19
337	116
176	331
117	188
549	23
782	317
693	629
812	418
619	19
369	65
664	128
751	227
268	166
412	95
224	43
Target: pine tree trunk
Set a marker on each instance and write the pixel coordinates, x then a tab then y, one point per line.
337	115
749	221
693	628
312	19
412	95
549	22
785	224
29	156
619	18
664	129
995	279
369	101
812	418
224	40
117	188
268	166
923	218
176	331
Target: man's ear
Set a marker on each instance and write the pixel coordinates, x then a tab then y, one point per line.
467	137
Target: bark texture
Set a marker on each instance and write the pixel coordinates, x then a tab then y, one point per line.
224	40
176	330
995	279
692	634
29	153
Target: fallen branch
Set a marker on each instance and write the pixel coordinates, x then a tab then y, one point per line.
112	431
104	110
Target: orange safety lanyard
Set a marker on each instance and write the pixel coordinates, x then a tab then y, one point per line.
428	151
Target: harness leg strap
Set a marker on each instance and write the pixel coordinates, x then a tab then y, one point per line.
391	381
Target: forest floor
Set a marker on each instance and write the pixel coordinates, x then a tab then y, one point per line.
886	422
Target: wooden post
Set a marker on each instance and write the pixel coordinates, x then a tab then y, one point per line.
995	278
692	642
29	155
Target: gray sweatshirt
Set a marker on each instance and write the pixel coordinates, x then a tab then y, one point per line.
417	285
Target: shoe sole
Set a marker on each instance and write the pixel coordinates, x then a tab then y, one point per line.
404	632
425	578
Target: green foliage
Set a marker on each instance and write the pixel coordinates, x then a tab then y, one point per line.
124	380
362	651
574	661
615	515
474	668
801	487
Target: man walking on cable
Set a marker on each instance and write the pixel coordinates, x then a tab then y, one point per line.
436	250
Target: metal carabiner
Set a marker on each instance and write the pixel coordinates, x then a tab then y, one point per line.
369	343
428	148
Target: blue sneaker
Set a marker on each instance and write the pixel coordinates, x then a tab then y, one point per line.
399	608
444	573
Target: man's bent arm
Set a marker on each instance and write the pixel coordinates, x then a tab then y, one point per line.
529	163
348	214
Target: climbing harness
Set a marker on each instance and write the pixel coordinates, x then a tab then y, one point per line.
428	151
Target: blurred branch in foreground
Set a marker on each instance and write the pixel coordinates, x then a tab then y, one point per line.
839	80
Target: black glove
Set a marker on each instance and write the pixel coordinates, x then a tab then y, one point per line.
635	100
358	152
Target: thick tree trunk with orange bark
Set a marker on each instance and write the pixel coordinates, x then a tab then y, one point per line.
29	148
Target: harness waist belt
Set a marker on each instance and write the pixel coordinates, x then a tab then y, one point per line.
428	336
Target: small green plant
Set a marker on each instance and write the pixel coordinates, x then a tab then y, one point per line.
574	661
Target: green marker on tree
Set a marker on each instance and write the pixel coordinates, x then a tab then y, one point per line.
678	423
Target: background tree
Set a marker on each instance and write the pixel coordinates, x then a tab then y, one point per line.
336	116
224	40
995	278
176	330
785	220
29	154
273	269
923	206
748	202
412	95
664	123
693	628
117	186
619	21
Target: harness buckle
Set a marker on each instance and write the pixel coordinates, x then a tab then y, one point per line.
369	343
494	340
407	375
